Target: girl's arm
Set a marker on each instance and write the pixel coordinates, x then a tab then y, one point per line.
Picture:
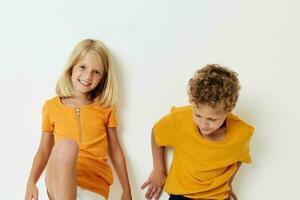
39	163
118	160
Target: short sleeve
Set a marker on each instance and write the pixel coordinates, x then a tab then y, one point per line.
46	122
112	122
163	131
245	155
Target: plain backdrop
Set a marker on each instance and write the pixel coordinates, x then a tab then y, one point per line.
157	46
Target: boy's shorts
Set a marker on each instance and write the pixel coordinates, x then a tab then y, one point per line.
83	194
180	197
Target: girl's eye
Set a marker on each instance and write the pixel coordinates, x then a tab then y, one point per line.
97	72
82	67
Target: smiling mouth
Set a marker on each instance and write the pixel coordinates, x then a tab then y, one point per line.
85	83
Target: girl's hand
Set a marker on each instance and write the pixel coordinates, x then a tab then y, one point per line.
155	184
126	196
32	192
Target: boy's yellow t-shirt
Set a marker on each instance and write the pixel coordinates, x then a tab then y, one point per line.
201	168
86	125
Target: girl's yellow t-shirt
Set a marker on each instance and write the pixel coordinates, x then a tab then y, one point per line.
86	125
201	168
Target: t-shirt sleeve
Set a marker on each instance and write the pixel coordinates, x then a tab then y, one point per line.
245	155
163	131
46	122
246	158
112	122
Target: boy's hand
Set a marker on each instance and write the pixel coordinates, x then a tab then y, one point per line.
155	184
232	196
32	192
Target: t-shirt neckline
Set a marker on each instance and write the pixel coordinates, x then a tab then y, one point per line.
224	140
75	107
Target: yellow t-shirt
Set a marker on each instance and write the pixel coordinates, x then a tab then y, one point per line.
86	125
201	168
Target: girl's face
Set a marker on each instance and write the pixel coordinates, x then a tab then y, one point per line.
87	74
207	118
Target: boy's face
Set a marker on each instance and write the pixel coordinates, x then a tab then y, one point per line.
207	118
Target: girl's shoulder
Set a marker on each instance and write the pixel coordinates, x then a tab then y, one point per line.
108	109
54	101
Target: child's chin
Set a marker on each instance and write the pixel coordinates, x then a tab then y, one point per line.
206	132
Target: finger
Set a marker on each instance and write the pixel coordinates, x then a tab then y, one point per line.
157	194
28	196
152	193
35	196
233	195
148	191
146	184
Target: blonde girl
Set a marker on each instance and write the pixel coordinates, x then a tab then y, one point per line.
79	131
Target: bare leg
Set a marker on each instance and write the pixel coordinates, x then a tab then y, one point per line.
61	171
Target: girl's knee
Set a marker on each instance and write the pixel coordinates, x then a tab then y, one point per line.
66	150
68	143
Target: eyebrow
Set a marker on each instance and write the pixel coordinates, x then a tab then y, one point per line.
212	119
207	118
99	70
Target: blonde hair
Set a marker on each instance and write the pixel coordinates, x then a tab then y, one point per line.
106	90
214	84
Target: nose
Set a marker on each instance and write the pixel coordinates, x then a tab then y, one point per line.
205	124
88	75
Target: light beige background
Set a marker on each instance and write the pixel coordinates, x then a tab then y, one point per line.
157	46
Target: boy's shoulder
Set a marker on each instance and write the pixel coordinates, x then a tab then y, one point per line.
182	114
180	110
239	124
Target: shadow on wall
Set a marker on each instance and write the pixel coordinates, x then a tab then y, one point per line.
116	189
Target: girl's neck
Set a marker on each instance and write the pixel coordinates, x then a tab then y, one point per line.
77	101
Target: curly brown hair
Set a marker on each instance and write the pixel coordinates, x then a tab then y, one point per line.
213	85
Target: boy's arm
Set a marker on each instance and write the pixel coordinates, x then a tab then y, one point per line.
158	155
118	160
239	163
231	193
39	163
158	175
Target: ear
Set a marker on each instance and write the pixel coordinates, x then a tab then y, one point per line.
229	110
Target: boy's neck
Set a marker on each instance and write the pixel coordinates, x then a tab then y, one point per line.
217	135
